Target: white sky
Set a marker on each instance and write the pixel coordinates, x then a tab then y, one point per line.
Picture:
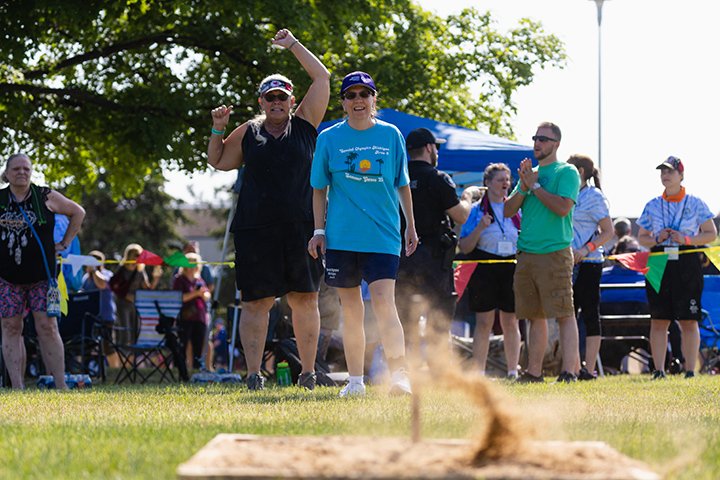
659	91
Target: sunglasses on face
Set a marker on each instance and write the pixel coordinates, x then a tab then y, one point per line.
271	97
361	93
543	139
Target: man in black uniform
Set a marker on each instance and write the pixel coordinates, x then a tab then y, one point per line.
425	283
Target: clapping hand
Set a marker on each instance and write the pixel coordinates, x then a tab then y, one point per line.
527	175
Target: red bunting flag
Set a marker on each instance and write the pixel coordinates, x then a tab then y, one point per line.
462	275
634	261
149	258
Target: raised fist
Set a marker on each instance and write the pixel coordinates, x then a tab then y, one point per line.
221	116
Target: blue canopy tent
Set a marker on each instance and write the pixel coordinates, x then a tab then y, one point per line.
466	153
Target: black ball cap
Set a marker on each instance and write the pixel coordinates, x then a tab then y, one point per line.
420	137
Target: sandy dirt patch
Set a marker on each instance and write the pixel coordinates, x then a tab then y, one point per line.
233	456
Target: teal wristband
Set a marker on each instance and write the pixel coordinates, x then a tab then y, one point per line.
217	132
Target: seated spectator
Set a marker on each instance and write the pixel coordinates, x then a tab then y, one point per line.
98	279
193	315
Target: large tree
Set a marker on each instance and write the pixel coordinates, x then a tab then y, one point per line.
119	88
150	219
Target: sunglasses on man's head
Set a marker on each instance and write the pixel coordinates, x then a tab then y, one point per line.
271	97
543	139
361	93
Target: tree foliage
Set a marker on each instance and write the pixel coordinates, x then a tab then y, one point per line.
120	88
148	219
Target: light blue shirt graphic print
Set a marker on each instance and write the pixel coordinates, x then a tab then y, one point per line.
363	170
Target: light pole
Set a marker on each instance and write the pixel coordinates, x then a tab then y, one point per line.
599	5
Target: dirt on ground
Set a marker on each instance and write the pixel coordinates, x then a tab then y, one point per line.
504	448
250	457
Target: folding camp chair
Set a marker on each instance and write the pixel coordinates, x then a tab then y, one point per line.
80	331
709	344
156	346
625	320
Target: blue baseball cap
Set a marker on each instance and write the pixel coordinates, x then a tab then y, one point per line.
357	78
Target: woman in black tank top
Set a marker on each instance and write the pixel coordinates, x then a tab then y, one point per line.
273	220
23	273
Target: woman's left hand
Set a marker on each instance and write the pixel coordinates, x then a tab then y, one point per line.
411	241
316	245
283	38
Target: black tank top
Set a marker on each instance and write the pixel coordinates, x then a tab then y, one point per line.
21	260
276	179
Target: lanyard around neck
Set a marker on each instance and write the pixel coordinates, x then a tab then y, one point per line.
674	225
501	222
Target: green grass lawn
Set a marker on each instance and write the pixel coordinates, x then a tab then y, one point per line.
147	431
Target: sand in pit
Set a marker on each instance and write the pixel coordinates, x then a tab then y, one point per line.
504	449
231	456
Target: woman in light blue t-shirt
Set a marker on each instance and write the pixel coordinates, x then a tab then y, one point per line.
360	178
592	228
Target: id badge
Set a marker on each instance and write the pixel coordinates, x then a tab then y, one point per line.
505	248
672	253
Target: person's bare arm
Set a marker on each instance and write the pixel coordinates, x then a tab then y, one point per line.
560	206
513	204
646	239
460	212
58	203
317	242
411	238
467	244
314	104
708	233
606	233
225	153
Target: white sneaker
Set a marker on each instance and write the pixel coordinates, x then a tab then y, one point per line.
400	383
353	389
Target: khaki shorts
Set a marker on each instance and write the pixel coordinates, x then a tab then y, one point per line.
543	285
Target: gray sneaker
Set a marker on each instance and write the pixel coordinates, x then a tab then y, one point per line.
307	380
256	381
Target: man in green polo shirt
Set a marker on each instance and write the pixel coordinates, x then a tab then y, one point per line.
543	276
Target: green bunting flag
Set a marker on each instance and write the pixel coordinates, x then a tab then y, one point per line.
178	259
656	268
